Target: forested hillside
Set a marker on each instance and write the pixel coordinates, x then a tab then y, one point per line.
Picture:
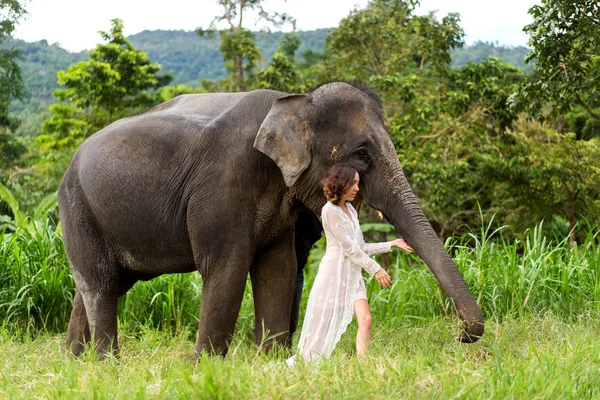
39	64
480	51
191	58
188	57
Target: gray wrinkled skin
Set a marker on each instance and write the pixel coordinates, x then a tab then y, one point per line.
214	182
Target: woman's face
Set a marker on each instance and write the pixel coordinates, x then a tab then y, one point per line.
350	193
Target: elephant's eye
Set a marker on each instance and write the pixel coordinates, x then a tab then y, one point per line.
362	153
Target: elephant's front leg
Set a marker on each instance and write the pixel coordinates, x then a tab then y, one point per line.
222	292
273	277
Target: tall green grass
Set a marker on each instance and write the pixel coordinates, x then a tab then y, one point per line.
525	277
36	287
522	278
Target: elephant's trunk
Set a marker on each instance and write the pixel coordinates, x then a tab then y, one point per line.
398	203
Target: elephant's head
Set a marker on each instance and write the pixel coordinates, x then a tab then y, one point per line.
338	122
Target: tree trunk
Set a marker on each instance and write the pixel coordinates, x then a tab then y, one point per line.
240	74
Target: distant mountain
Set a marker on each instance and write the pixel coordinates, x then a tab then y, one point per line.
190	58
39	64
187	56
481	50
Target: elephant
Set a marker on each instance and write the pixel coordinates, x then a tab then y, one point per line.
214	183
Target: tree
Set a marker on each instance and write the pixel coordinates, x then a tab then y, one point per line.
11	84
547	175
404	57
386	40
289	45
484	86
65	129
566	49
115	79
282	73
554	172
238	45
10	13
454	167
11	149
581	123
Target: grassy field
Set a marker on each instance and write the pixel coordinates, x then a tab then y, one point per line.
541	301
526	358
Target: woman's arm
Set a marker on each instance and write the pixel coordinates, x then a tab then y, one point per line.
376	248
384	247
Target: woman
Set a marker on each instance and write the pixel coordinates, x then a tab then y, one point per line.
339	291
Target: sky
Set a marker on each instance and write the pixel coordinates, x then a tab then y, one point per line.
74	24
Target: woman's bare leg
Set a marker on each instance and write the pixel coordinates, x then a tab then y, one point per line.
363	316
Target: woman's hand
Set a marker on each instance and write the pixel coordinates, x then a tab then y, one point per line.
383	278
401	244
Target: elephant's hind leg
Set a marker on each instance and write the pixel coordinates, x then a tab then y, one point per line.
103	315
273	277
78	332
94	315
96	272
101	307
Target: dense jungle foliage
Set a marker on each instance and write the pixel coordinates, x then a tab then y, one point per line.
451	110
190	58
468	122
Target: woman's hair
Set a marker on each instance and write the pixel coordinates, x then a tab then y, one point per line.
336	180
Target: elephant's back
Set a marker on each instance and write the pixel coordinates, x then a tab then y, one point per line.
203	107
210	107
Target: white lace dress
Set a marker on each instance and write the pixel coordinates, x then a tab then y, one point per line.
338	284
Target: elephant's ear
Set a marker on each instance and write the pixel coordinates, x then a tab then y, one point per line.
284	137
